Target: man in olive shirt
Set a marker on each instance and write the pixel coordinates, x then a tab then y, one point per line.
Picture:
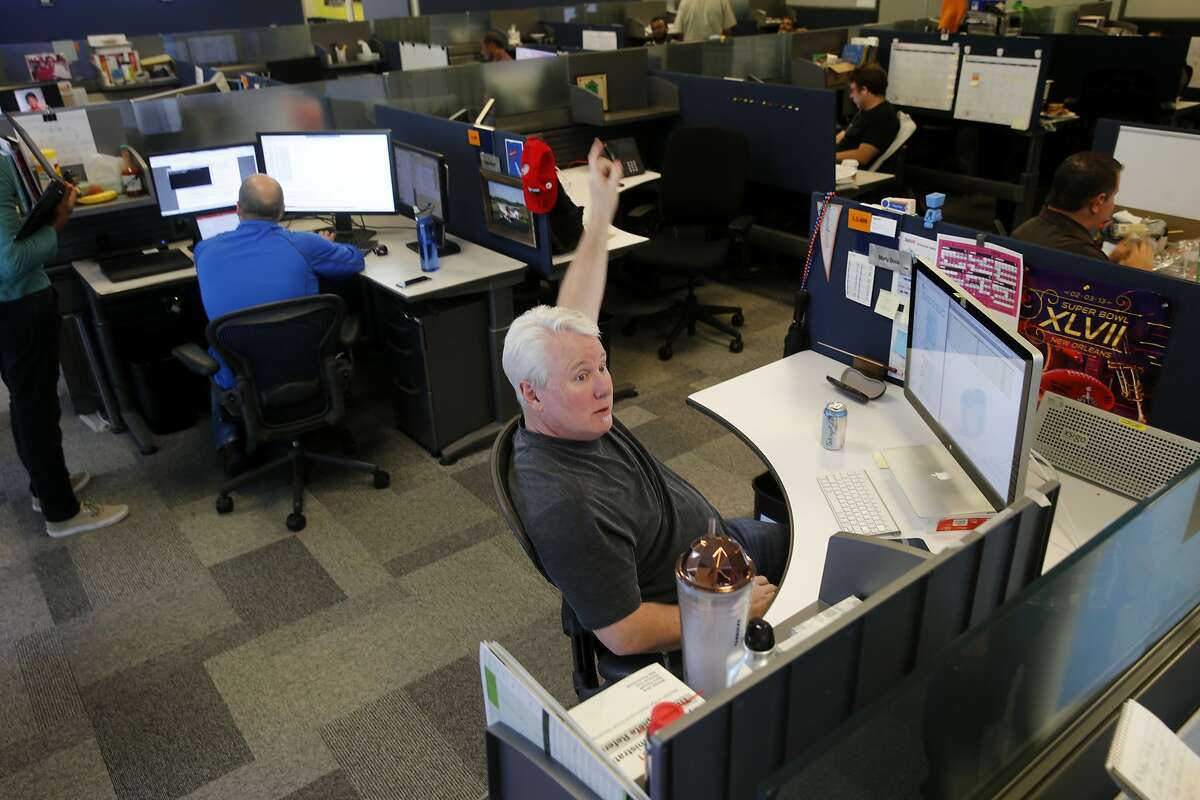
29	346
1082	198
876	124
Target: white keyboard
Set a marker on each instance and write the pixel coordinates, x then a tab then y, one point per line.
855	504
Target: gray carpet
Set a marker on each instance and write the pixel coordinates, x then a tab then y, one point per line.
186	654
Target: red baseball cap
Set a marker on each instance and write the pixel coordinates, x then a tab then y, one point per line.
538	176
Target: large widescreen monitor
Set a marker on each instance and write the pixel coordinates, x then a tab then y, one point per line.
332	172
191	182
975	384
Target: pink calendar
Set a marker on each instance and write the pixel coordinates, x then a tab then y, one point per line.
990	273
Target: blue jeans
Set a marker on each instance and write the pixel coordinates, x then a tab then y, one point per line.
768	543
223	432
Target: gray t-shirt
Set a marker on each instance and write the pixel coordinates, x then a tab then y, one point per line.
607	519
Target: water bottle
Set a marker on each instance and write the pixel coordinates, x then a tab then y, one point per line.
427	242
758	648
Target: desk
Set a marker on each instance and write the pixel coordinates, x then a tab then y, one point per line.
776	410
574	180
475	270
864	181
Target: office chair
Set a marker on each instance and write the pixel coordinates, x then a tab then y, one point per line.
290	380
703	184
594	666
907	129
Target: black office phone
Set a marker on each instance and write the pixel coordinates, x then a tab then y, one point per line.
626	152
52	195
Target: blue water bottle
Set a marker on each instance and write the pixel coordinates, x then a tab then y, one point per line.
427	242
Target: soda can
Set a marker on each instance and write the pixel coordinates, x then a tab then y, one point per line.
833	426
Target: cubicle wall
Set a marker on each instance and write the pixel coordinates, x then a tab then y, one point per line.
466	200
839	325
728	747
790	129
240	45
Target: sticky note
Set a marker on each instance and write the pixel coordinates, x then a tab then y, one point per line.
887	304
473	137
884	226
859	220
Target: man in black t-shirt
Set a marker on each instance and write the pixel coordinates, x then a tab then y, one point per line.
876	125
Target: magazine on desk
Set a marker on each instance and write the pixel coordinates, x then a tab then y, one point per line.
602	741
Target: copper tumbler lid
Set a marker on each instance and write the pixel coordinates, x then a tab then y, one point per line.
715	563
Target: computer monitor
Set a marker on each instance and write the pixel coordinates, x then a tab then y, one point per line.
305	69
505	210
422	180
337	172
190	182
975	384
31	97
210	225
524	53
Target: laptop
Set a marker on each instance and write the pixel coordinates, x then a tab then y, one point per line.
210	225
52	195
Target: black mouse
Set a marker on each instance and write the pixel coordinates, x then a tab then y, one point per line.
380	250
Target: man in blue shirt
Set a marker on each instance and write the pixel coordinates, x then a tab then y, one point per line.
261	262
29	345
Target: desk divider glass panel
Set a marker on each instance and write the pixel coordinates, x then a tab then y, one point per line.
967	724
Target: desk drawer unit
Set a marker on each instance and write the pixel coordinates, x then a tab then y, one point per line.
439	373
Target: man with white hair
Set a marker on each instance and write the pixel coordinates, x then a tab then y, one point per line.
607	519
259	262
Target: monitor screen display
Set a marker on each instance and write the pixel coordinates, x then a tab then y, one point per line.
524	53
420	181
972	380
507	214
347	172
211	225
196	181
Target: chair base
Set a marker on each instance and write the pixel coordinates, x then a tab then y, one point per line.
298	459
690	311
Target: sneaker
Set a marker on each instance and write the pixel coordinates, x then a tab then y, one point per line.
78	481
91	517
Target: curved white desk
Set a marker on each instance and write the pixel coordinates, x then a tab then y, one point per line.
776	410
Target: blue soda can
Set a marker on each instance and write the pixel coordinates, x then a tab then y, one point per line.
427	243
833	426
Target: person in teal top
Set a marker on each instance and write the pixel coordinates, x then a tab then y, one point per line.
30	326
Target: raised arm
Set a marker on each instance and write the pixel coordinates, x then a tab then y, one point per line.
582	288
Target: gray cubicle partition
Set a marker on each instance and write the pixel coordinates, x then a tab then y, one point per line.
240	45
1026	704
911	611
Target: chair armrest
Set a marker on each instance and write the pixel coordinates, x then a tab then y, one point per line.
351	328
642	212
195	359
739	227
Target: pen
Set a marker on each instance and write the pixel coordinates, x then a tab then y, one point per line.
407	283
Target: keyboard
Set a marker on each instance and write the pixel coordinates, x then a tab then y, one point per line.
364	240
130	266
855	504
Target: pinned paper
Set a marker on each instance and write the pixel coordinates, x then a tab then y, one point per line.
884	226
887	304
199	74
859	220
473	137
898	352
860	278
829	229
919	247
887	258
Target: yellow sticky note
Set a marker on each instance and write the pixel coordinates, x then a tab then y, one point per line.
473	136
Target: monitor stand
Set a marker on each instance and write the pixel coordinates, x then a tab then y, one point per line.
445	246
344	231
934	483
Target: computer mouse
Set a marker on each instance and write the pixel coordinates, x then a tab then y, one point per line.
381	250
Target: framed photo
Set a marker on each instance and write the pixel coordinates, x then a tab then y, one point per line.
596	84
504	208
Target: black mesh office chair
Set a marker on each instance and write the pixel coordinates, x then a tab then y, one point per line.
594	666
700	196
290	380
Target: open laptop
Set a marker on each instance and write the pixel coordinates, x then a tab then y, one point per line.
52	195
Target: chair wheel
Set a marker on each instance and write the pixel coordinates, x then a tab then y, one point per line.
296	522
382	479
735	345
738	320
665	352
224	504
